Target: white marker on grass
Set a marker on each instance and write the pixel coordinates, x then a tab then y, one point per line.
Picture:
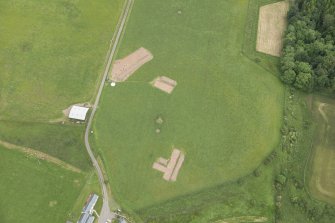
113	84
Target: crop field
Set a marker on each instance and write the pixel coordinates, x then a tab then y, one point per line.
51	54
322	182
34	190
224	114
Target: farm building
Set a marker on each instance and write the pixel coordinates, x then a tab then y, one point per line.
78	113
122	220
87	213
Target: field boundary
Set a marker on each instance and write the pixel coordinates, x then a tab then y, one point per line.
40	155
110	48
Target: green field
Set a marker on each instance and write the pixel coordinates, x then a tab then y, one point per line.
65	142
51	54
225	113
322	184
35	191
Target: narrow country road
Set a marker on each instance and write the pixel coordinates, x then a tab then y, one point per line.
105	213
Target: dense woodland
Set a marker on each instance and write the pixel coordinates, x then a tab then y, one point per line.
308	60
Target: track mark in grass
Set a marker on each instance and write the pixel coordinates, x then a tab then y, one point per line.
40	155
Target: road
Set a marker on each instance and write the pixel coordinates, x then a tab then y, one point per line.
105	213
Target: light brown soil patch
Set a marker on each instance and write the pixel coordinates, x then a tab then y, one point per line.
40	155
177	167
125	67
170	167
164	84
271	27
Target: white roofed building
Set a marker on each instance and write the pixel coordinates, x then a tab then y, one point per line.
78	113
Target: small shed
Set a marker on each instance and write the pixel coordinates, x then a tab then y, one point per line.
78	113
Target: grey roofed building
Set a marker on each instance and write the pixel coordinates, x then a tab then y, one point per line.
90	220
78	112
91	203
122	220
86	216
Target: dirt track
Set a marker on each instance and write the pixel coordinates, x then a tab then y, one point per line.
322	182
105	213
40	155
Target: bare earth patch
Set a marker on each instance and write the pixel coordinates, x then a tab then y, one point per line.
170	167
125	67
164	84
271	27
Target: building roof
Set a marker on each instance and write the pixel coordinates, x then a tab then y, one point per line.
90	220
84	217
78	112
122	220
91	203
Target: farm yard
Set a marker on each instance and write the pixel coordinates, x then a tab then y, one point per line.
224	114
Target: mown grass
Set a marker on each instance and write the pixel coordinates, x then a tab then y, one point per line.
34	190
225	112
52	54
321	182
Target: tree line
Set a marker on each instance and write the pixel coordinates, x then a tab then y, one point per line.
308	59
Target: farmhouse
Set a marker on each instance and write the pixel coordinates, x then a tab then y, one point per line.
78	113
87	213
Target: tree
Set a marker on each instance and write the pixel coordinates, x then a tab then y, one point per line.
304	81
289	76
308	56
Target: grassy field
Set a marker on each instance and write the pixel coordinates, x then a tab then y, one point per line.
35	191
51	54
225	113
249	196
292	166
65	142
322	184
